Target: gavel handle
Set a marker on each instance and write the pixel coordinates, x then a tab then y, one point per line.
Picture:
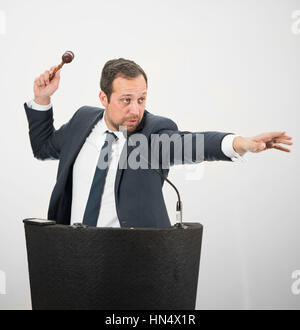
52	75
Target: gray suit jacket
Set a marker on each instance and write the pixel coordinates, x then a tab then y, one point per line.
138	193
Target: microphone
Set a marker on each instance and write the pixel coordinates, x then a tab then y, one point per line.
179	205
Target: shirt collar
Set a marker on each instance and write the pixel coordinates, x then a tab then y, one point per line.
104	128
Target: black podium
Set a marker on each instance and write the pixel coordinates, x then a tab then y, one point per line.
77	268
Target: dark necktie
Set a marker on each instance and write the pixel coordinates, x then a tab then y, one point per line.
92	209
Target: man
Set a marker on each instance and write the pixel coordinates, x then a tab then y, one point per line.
116	196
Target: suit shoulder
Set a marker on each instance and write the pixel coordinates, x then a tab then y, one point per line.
88	110
157	123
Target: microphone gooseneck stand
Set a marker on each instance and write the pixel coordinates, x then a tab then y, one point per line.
179	205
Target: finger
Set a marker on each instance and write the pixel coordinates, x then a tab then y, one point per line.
37	82
287	137
52	69
40	82
46	77
56	76
53	72
283	141
273	135
281	148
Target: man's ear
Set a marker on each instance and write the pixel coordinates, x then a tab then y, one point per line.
103	99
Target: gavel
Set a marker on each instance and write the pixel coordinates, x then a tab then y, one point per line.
68	57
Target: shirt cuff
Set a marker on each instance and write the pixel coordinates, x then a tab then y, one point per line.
227	148
34	106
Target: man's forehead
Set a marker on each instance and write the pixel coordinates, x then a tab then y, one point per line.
132	94
130	87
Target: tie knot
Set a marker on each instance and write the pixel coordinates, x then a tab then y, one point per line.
111	136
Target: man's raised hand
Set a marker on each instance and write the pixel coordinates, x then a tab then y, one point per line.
44	88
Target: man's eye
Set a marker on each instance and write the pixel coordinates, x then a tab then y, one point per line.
142	99
126	100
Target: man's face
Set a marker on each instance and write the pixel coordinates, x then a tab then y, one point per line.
127	103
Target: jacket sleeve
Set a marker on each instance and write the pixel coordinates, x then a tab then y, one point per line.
46	141
187	147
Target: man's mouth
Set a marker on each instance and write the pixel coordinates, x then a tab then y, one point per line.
132	122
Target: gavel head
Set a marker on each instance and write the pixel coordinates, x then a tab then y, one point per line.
68	57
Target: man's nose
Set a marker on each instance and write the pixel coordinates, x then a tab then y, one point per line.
134	109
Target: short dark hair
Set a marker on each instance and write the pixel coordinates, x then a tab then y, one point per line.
118	68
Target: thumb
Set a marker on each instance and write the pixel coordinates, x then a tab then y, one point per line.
57	74
56	77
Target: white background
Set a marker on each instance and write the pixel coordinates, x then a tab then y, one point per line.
230	66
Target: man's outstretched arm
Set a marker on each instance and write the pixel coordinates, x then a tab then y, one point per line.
211	146
190	147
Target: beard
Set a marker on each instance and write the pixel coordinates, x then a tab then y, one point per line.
117	126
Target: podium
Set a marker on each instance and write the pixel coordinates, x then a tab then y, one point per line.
88	268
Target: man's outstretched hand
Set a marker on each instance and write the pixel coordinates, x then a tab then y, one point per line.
262	142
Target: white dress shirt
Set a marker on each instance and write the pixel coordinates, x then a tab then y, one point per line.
85	166
83	174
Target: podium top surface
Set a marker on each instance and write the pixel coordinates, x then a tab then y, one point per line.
50	223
